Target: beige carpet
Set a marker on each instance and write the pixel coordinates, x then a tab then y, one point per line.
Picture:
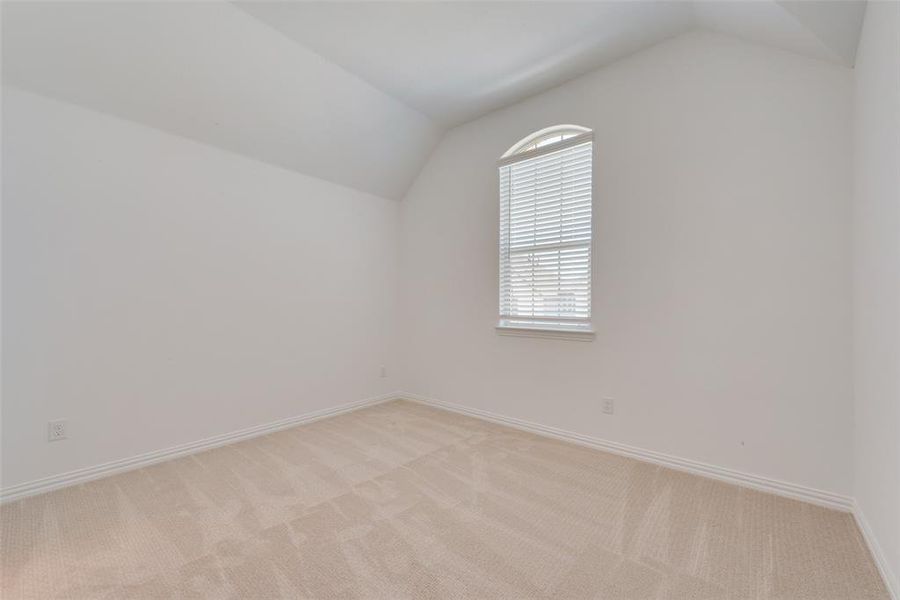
404	501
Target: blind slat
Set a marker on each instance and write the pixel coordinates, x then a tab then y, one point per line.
545	237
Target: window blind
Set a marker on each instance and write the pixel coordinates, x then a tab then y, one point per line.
545	236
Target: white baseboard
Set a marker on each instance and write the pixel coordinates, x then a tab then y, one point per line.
781	488
40	486
790	490
890	579
757	482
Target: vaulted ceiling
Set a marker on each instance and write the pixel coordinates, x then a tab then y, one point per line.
210	72
455	61
359	92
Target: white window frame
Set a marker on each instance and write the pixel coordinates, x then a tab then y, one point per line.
539	143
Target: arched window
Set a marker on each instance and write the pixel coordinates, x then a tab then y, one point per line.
545	137
545	234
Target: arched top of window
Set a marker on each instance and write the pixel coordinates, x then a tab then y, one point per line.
545	137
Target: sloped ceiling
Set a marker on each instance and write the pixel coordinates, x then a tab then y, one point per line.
827	30
837	24
359	92
209	72
455	61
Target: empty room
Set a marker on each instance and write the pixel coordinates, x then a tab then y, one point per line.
488	300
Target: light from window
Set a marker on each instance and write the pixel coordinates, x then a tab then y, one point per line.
545	231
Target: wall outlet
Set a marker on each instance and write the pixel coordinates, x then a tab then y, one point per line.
56	430
383	372
608	406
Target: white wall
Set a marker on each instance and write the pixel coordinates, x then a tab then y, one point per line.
158	291
721	263
876	283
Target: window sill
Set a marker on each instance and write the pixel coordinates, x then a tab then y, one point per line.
585	335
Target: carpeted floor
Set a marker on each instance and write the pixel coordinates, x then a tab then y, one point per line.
404	501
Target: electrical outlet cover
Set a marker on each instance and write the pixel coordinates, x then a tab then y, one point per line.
56	430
